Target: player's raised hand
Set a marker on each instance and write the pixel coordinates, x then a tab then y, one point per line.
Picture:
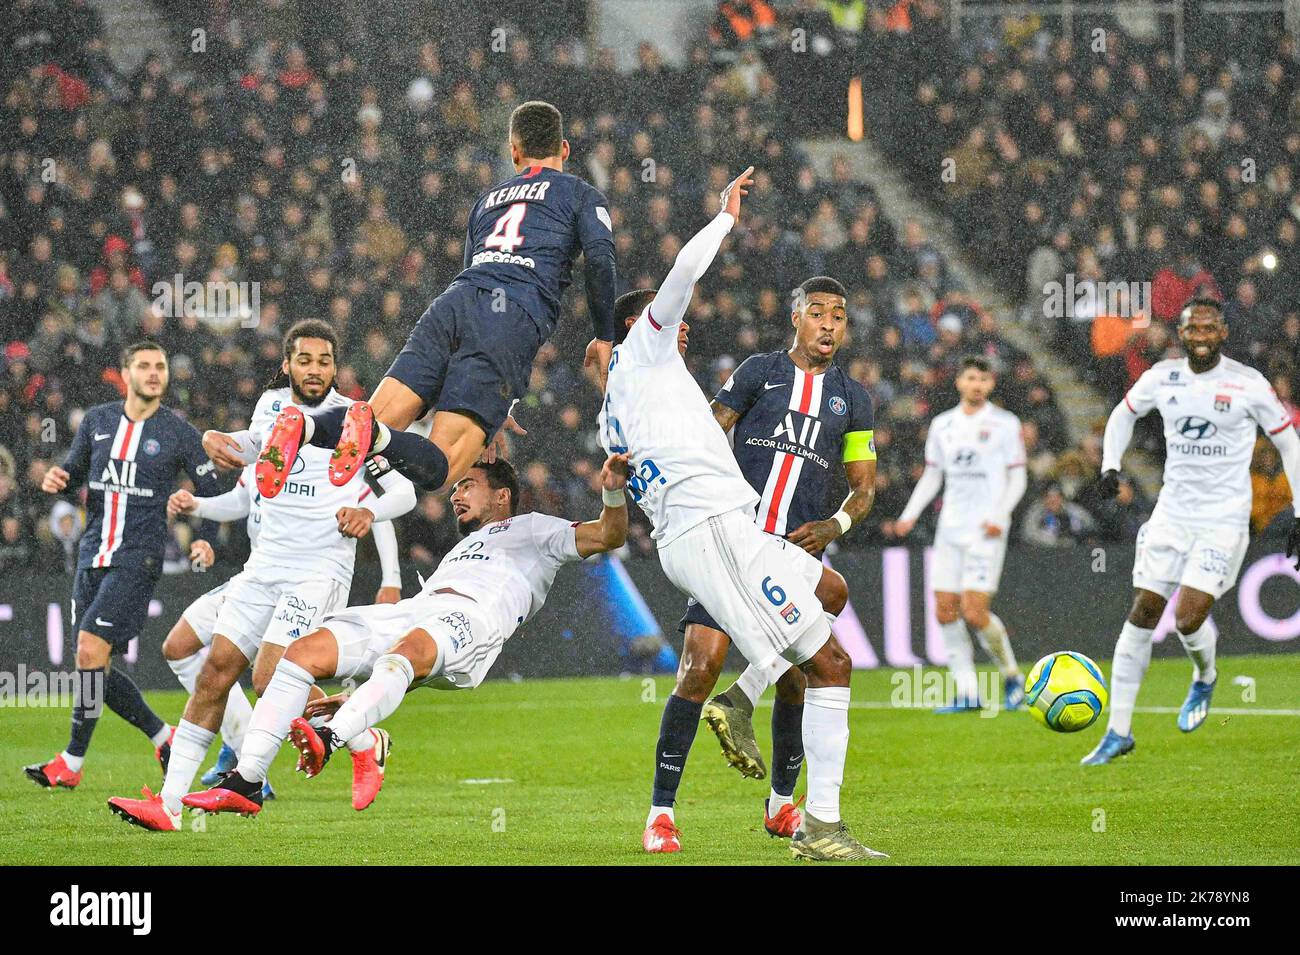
55	480
181	502
354	521
737	188
1108	484
815	535
597	355
388	595
499	446
223	450
202	556
613	475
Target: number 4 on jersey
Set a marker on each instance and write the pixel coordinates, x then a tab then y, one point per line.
506	235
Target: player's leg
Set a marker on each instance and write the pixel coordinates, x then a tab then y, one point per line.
961	653
992	635
410	660
181	649
1129	666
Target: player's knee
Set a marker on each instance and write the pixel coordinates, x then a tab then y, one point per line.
180	643
976	617
92	652
946	612
789	689
696	678
1146	611
421	649
833	591
1191	619
830	667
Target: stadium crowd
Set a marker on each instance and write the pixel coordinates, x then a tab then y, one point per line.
331	165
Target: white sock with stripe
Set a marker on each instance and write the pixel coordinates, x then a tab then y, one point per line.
1200	646
826	746
1132	657
961	660
189	746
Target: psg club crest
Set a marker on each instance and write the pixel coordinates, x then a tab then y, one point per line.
838	405
1223	402
790	613
151	446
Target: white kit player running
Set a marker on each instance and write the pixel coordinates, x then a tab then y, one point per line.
447	637
1195	541
975	451
760	588
300	571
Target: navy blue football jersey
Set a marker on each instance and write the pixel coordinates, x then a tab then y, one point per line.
524	236
794	431
130	469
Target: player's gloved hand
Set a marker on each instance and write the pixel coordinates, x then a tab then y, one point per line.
735	189
388	595
202	556
354	521
815	535
181	502
55	480
1293	542
597	356
1108	484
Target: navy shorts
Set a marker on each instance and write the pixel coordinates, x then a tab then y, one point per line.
471	351
112	603
695	613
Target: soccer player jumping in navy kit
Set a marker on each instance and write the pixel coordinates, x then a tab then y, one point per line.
471	353
127	453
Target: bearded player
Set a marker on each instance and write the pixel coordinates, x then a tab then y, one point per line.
975	452
471	353
759	588
793	414
1196	538
447	637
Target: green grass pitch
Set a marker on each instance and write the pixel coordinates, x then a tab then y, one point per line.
558	771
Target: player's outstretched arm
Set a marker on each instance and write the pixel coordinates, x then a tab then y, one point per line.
390	568
924	492
231	452
1119	432
75	466
609	531
232	506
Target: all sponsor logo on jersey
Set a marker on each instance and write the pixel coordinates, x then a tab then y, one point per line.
794	439
1223	402
121	473
838	405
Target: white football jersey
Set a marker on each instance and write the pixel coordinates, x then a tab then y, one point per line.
974	452
1210	428
683	468
248	484
508	566
298	534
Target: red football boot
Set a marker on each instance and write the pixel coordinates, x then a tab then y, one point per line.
52	774
232	794
354	443
147	813
786	821
662	836
368	770
314	748
279	452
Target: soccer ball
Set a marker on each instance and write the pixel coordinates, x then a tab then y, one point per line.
1065	691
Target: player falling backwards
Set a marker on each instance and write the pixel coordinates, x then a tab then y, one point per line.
975	451
447	637
471	352
792	413
300	571
1196	538
759	588
128	454
196	626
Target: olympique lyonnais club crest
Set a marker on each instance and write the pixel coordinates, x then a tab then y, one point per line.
984	435
790	613
1223	402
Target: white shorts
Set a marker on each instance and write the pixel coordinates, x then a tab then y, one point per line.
760	589
1203	558
256	611
201	615
468	642
962	564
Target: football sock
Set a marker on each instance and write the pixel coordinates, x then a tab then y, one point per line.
1200	646
124	698
993	638
324	428
234	723
73	763
376	699
189	746
961	662
657	811
419	459
676	733
787	746
776	800
362	741
187	670
86	710
282	702
383	435
753	683
826	740
1132	657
